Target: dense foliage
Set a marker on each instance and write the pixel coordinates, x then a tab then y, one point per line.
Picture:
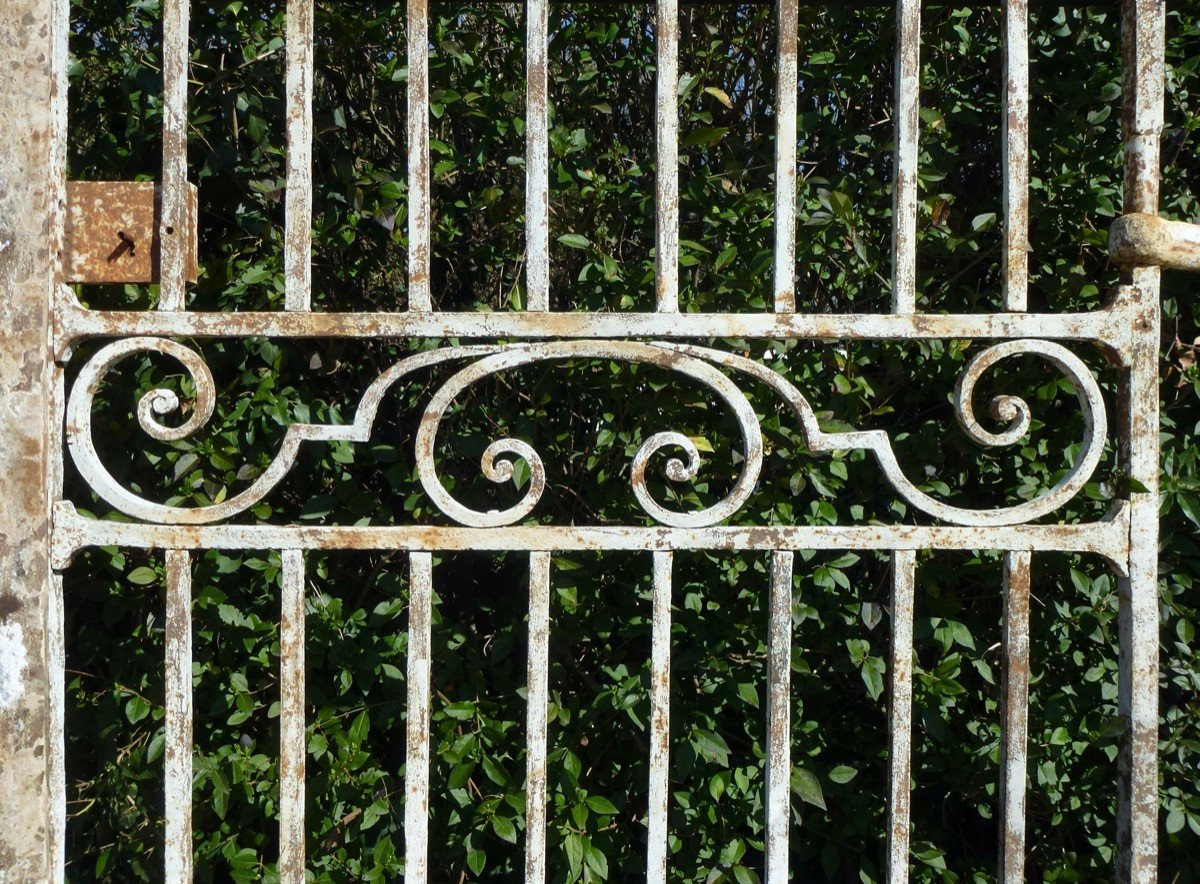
588	417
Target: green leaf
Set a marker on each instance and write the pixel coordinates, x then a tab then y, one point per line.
575	241
476	860
1190	506
808	787
573	845
704	136
743	875
602	805
358	730
597	862
143	576
505	829
720	95
842	774
711	746
136	709
1176	820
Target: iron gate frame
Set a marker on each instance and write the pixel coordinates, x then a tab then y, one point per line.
41	321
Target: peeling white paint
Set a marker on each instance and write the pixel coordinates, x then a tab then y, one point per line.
12	664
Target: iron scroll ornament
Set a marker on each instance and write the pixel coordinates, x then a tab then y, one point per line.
702	364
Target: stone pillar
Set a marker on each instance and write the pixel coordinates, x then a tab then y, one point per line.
33	37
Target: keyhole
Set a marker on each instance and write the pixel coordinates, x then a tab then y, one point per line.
126	245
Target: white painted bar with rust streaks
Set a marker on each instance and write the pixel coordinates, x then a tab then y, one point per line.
297	218
904	568
293	746
537	700
779	718
1015	155
537	158
785	159
173	223
56	651
667	149
419	296
660	717
56	771
904	177
177	751
1014	724
74	532
1109	326
1149	240
416	769
1143	46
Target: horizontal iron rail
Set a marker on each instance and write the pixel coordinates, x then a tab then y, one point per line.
1106	326
1107	538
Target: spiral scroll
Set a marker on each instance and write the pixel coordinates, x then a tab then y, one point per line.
498	461
624	351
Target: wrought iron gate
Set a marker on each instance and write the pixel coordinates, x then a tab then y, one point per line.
42	322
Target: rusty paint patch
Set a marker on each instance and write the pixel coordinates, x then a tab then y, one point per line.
112	232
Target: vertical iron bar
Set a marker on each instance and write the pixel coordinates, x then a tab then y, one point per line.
1015	150
779	712
904	568
904	184
537	698
56	662
660	717
56	627
297	217
173	224
537	159
1143	47
1014	727
292	743
667	139
419	296
416	770
1143	36
785	160
177	754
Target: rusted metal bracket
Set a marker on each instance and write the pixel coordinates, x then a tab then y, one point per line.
1141	239
112	232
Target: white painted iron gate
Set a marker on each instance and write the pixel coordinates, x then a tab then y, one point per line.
41	321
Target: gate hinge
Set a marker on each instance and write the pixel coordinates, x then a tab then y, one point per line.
111	232
1151	240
